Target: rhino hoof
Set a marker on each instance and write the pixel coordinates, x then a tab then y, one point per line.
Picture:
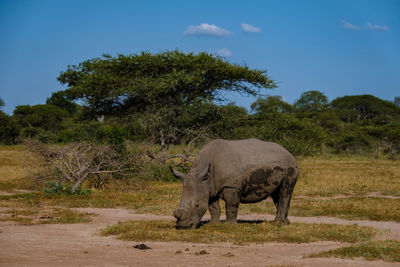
278	221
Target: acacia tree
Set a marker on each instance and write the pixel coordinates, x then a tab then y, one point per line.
151	81
162	85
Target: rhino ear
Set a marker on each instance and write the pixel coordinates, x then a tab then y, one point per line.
176	173
206	173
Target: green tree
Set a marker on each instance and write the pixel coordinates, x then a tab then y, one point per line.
60	99
271	104
365	108
8	129
311	101
45	117
1	103
396	101
150	81
159	88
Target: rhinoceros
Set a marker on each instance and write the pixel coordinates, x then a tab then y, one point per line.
244	171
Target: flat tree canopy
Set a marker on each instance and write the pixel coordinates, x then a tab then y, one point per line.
148	81
366	107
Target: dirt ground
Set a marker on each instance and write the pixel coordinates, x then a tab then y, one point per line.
81	245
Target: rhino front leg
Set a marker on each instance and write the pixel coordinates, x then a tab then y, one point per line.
215	211
232	199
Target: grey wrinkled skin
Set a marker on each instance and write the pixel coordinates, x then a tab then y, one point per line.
245	171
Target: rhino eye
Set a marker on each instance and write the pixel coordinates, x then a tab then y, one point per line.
197	205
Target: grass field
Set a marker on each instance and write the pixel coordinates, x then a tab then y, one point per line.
329	176
350	187
345	175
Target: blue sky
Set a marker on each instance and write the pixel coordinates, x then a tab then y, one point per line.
337	47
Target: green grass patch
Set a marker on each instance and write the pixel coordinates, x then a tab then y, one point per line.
388	250
239	233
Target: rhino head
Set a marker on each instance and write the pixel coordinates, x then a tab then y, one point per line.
195	197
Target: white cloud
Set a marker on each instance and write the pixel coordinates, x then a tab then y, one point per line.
349	26
250	28
377	27
224	52
206	29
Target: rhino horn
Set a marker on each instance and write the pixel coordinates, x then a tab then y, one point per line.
176	173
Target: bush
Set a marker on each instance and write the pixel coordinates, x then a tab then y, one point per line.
8	129
46	117
299	137
53	187
68	135
154	171
112	135
353	143
46	136
79	162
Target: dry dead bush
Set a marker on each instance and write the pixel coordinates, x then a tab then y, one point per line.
75	163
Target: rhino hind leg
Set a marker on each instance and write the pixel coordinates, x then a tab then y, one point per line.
282	203
215	211
232	200
282	197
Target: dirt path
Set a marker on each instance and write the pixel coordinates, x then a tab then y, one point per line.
80	244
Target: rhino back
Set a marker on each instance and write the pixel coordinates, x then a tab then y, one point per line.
238	163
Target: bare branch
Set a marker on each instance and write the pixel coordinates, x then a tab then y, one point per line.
77	162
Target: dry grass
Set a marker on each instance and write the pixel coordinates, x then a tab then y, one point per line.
388	250
16	167
240	233
13	162
324	176
370	208
158	198
341	175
